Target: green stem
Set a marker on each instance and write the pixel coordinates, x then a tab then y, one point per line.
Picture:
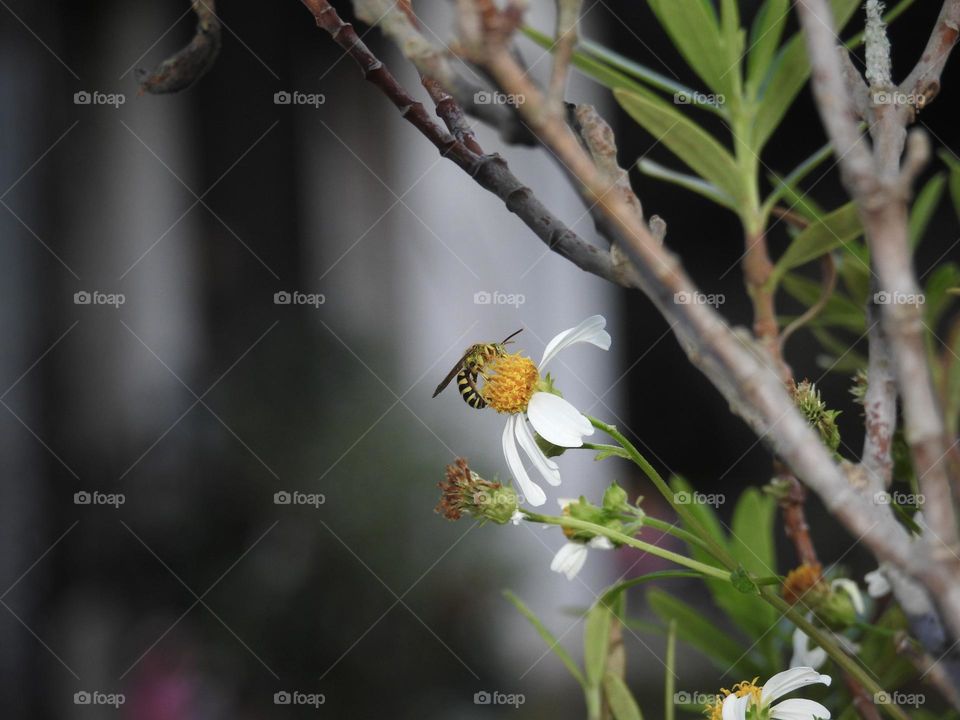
826	641
677	532
568	522
689	519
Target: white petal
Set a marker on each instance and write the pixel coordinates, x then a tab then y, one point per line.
569	559
600	542
735	708
803	654
877	583
557	421
547	467
532	493
517	517
590	330
799	709
563	502
851	589
790	680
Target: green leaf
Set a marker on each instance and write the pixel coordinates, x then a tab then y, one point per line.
925	206
693	27
634	69
843	359
620	699
690	182
687	140
954	164
699	632
830	232
839	311
937	298
596	642
787	76
854	267
552	642
765	38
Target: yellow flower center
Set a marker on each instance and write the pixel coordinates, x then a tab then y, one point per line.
510	382
741	689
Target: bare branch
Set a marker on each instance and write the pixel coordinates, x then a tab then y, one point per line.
924	80
183	69
568	17
879	407
876	183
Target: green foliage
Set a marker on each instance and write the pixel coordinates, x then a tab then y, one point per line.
553	644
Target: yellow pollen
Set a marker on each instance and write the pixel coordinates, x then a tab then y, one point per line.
510	381
741	689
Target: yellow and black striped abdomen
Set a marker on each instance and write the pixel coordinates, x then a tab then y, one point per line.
467	385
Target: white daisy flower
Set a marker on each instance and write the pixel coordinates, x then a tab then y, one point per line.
514	387
877	583
571	558
746	696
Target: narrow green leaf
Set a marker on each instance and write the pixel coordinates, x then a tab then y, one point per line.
854	267
690	182
937	298
669	682
787	75
925	206
796	176
620	699
699	632
693	27
552	642
685	139
596	642
796	200
765	35
954	164
839	310
830	232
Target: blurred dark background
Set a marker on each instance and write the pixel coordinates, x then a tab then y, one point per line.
199	398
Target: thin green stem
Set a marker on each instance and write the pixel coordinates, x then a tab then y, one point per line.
677	532
716	549
568	522
832	648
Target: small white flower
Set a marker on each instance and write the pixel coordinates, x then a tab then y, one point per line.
747	696
512	389
877	583
571	558
803	654
517	517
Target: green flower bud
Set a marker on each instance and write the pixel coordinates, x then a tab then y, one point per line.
807	399
615	500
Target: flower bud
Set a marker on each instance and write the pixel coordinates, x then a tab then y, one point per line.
464	491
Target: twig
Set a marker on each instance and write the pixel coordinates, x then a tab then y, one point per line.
875	182
490	171
184	68
879	406
568	17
